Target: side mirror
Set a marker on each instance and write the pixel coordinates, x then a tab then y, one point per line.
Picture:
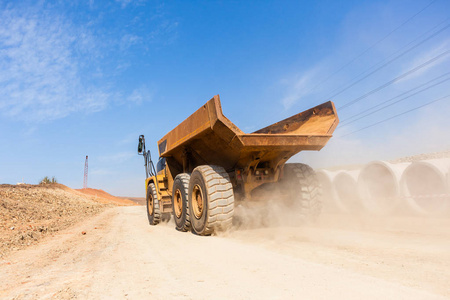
141	144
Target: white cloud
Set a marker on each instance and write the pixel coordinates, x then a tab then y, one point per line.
124	3
122	67
40	66
51	67
165	32
129	40
140	95
299	87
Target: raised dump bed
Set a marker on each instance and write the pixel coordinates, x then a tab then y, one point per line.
207	162
210	138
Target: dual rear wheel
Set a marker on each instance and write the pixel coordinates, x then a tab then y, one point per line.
203	201
302	191
180	202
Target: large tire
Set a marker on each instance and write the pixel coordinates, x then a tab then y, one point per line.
153	211
302	189
180	203
211	200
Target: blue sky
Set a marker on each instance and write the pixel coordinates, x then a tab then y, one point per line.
86	78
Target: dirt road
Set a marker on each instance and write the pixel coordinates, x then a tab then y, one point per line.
122	257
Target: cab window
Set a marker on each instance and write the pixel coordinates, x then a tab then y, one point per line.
161	164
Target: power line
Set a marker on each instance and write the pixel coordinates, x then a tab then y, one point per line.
376	43
389	61
393	117
348	120
398	51
385	59
395	102
415	69
390	33
373	45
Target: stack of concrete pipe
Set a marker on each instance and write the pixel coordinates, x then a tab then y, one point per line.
379	187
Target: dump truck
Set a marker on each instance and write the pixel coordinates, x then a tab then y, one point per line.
207	165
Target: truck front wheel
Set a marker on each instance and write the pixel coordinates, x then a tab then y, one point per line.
153	211
211	200
180	202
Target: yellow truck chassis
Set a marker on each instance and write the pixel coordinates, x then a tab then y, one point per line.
207	163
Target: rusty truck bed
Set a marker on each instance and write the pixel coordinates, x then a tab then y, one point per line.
208	137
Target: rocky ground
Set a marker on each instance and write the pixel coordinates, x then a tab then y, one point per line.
339	257
29	213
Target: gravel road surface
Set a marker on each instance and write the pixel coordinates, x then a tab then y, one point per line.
121	257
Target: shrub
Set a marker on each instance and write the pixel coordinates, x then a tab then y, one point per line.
47	180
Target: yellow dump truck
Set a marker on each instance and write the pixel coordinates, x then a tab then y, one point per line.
207	165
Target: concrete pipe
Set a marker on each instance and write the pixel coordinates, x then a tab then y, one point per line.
378	186
345	184
328	193
425	186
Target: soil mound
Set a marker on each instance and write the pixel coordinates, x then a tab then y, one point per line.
30	212
103	197
137	200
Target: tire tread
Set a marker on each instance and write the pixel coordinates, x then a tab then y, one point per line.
221	198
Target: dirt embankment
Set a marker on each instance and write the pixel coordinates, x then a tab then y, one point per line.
138	200
103	197
30	212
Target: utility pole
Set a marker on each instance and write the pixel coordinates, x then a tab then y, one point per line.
85	182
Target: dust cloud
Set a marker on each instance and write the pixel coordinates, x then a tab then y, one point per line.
276	216
271	213
378	206
396	245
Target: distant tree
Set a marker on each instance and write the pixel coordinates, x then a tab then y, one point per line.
47	180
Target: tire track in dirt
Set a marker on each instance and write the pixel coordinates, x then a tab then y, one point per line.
121	256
